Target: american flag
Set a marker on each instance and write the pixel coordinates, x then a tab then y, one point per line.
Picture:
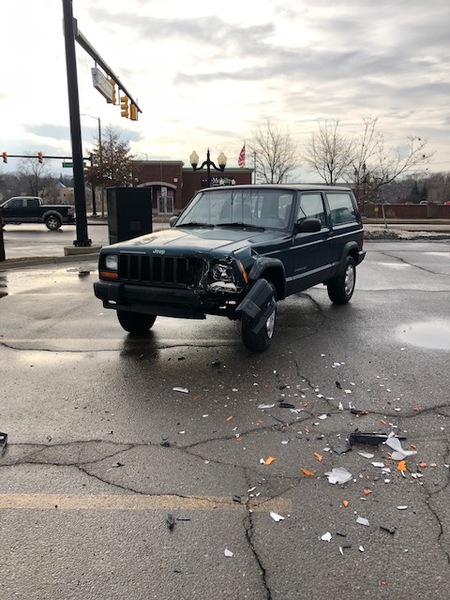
241	159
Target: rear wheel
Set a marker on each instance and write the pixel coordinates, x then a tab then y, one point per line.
53	222
258	342
341	288
135	322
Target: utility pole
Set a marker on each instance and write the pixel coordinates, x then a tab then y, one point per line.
75	127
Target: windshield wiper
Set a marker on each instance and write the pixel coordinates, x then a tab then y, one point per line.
194	224
241	224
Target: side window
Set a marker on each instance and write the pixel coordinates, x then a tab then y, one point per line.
341	208
311	205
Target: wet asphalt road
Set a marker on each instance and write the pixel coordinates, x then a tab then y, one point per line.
101	448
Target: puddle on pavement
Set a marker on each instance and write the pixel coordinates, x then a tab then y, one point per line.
431	334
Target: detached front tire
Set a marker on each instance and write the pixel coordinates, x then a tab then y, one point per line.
341	288
135	322
259	342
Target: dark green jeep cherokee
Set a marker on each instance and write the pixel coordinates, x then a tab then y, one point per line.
236	251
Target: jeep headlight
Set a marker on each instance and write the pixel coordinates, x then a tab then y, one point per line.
222	272
111	262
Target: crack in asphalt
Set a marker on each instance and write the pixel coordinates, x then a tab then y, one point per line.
410	264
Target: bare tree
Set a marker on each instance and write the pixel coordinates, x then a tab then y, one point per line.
111	164
36	177
376	164
275	153
330	153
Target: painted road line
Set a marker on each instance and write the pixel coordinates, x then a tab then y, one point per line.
139	502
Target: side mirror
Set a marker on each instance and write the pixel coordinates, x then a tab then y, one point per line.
173	220
308	225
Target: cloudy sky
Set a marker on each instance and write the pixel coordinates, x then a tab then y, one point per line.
206	74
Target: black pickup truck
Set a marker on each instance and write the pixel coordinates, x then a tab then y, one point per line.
28	209
236	251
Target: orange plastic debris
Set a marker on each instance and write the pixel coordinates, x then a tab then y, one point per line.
318	456
307	473
269	460
367	492
230	418
416	409
402	466
422	465
413	446
345	503
383	421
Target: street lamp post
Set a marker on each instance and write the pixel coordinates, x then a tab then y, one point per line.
209	164
100	156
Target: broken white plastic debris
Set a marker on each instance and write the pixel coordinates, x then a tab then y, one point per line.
399	453
366	454
402	507
181	389
339	475
362	521
361	548
228	553
326	537
340	406
263	406
276	517
322	417
379	465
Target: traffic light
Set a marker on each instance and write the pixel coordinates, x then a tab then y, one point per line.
40	157
5	157
133	112
113	90
124	107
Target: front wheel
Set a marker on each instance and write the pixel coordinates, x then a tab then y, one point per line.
258	342
341	288
53	222
135	322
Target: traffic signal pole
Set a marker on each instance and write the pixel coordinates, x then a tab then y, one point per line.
75	127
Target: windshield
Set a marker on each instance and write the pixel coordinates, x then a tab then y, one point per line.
270	209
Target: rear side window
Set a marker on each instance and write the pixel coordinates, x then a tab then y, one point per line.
342	209
311	205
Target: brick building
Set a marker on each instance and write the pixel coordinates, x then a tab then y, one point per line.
172	185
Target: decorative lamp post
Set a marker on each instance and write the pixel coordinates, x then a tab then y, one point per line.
209	164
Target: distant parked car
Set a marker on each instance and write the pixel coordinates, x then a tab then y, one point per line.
448	202
30	209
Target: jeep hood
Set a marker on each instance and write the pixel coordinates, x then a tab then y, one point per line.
188	240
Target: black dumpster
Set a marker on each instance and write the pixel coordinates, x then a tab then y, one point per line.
129	213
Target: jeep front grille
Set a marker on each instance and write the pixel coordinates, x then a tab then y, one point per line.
159	270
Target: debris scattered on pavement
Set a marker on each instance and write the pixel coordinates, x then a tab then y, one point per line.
215	363
181	389
318	456
362	521
3	441
339	475
165	442
399	453
327	537
228	553
276	517
366	454
402	507
307	473
390	530
342	448
170	521
117	465
265	406
269	460
371	439
237	499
